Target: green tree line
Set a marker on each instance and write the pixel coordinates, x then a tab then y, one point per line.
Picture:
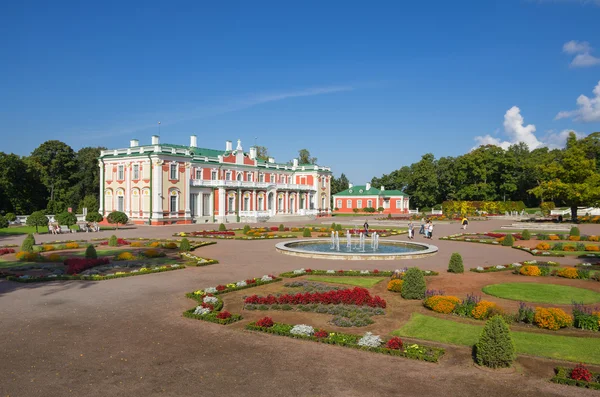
53	178
568	176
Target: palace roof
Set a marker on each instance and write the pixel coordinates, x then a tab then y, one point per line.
361	190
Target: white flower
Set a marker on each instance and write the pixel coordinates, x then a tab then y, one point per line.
427	271
330	271
240	284
364	272
210	290
479	268
201	310
210	299
299	271
495	242
370	340
534	251
302	329
584	264
517	264
500	267
266	278
175	265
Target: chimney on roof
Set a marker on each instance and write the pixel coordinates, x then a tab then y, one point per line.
134	143
382	188
350	185
271	160
228	146
295	162
155	139
193	141
253	152
368	186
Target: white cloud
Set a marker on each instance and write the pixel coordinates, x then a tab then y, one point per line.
583	58
517	132
575	47
589	108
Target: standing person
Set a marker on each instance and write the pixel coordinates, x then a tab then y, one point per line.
465	223
430	229
366	226
422	230
411	230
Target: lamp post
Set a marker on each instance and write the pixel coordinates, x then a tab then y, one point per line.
159	128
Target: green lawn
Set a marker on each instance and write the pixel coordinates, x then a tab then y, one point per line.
532	231
18	230
542	293
366	282
559	347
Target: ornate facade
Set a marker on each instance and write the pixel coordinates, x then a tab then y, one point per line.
162	184
366	196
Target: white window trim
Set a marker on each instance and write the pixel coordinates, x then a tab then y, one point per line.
136	172
339	203
369	203
173	166
359	204
398	204
349	203
120	172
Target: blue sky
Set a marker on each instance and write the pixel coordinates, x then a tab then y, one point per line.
367	88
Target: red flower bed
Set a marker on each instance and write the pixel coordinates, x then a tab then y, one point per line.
221	287
395	343
375	271
321	334
356	296
580	372
276	229
213	233
265	322
251	281
224	315
77	265
517	236
4	251
120	241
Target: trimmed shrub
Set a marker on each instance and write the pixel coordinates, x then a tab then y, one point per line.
526	235
414	284
184	246
333	226
306	232
281	228
11	217
338	228
222	227
38	218
495	348
246	229
508	240
3	222
28	243
90	252
456	263
66	218
113	241
574	231
94	217
117	217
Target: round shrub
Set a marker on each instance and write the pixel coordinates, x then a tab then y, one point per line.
184	245
508	240
338	228
28	243
456	263
11	217
574	231
333	226
281	228
442	303
222	227
117	217
306	232
246	229
395	285
414	284
526	235
530	270
90	252
113	241
3	222
495	348
94	217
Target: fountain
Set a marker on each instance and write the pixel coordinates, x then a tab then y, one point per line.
361	242
348	241
337	241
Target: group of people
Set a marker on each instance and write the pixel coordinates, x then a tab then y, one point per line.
426	229
88	227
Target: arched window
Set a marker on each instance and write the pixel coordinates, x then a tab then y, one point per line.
146	201
108	200
135	201
174	201
120	200
240	176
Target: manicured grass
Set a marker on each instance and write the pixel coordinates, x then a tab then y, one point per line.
357	281
559	347
532	231
17	230
6	264
542	293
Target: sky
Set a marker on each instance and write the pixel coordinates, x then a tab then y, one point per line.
366	87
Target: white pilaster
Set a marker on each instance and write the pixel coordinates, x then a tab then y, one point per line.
157	188
127	195
186	191
101	208
222	210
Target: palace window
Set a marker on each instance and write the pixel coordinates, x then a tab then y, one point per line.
231	204
261	177
370	203
339	204
250	177
174	201
213	175
323	182
359	204
272	178
120	173
136	172
228	176
348	203
398	204
173	175
198	173
240	176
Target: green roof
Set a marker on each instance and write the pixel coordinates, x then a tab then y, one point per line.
361	190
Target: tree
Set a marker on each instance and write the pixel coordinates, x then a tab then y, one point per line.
66	218
117	217
572	179
339	184
495	348
3	222
94	217
11	217
262	153
37	219
414	284
423	185
305	158
21	189
90	202
56	163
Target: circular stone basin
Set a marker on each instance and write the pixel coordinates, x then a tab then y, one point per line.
387	250
542	293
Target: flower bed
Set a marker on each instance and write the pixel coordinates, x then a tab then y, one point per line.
120	242
5	251
516	266
536	252
52	277
195	260
482	238
356	273
579	376
367	342
209	309
355	296
77	265
544	269
244	284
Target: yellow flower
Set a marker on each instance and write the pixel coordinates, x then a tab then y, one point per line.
199	292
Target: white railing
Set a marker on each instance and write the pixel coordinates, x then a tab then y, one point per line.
249	184
22	219
413	211
437	212
560	212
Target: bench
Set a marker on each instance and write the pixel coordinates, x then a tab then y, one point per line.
64	229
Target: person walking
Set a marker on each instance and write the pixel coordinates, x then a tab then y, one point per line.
422	230
411	230
430	230
465	223
366	226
